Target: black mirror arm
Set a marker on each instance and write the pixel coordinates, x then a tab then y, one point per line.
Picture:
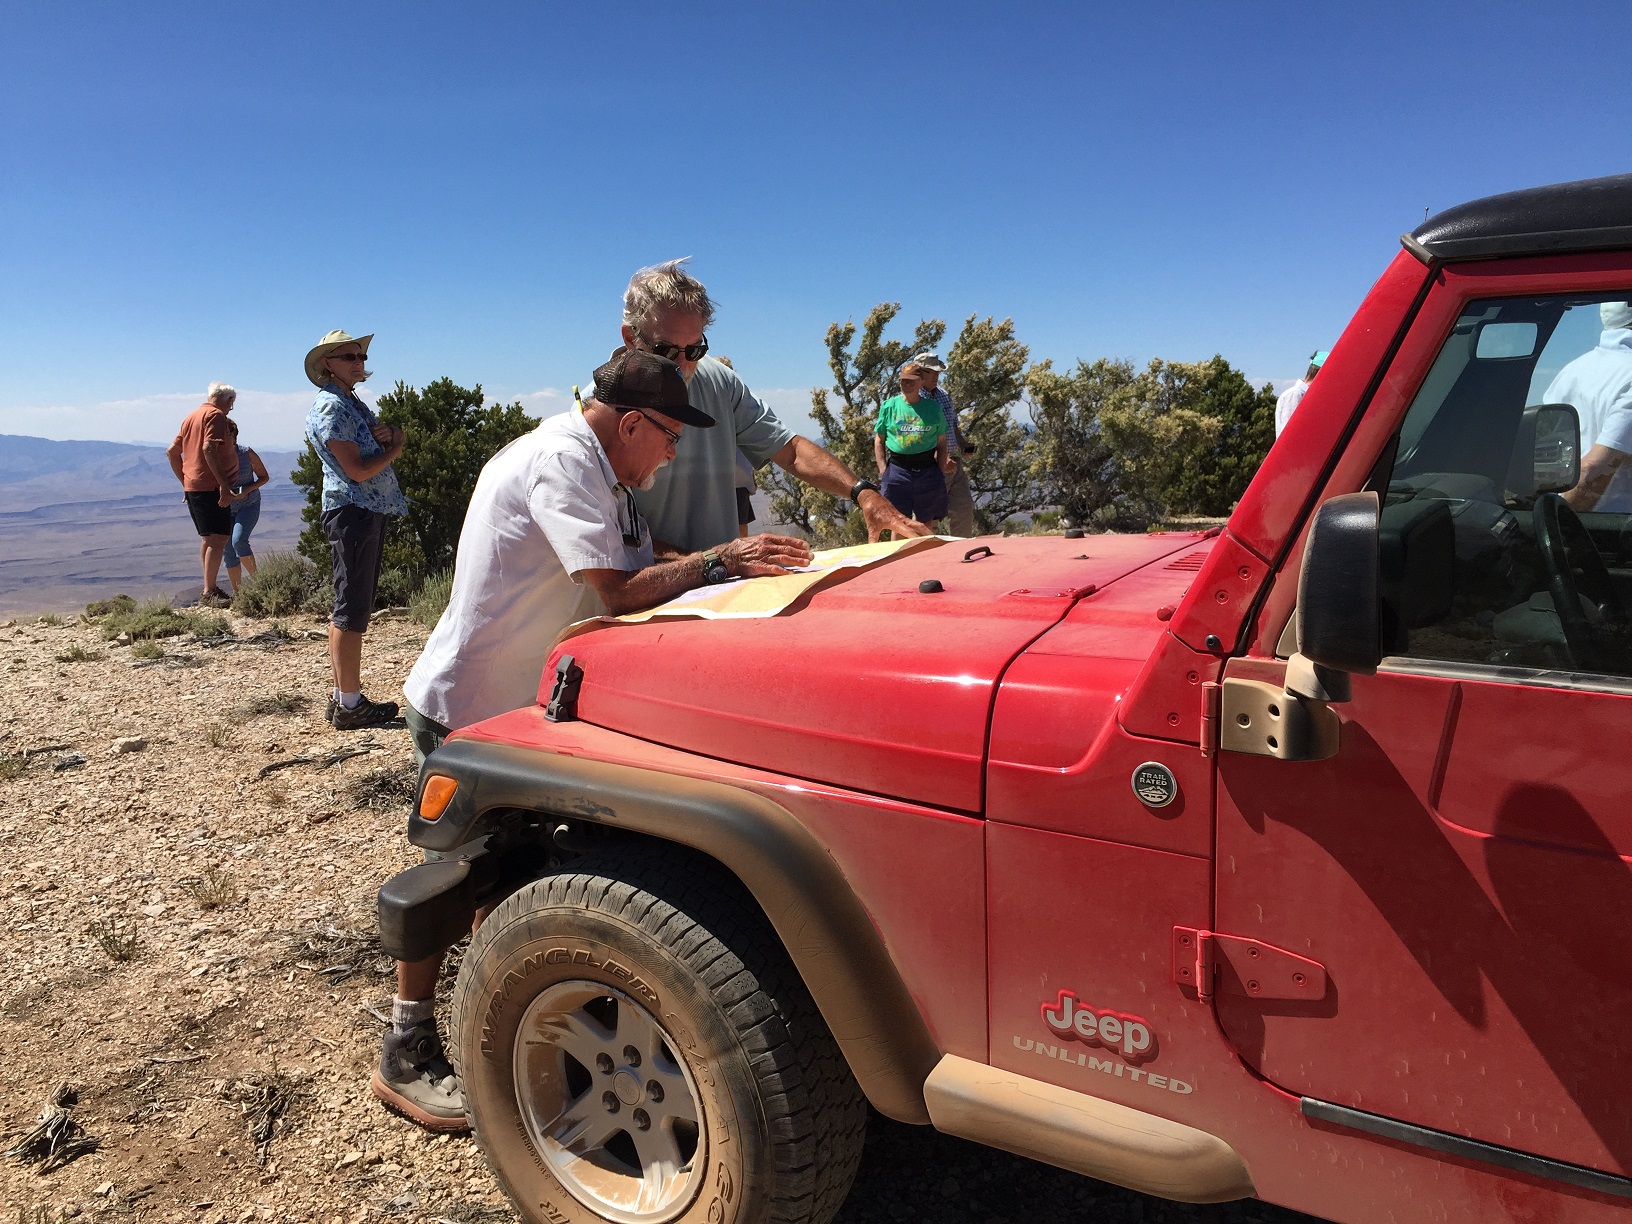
1310	681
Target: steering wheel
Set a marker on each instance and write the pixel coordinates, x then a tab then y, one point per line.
1575	569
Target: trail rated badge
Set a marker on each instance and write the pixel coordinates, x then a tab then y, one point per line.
1154	784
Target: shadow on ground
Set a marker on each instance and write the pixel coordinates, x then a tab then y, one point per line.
917	1173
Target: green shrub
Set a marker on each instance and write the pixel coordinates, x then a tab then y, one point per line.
428	603
157	619
78	654
143	622
1046	520
321	601
281	585
48	618
205	624
147	650
122	604
396	588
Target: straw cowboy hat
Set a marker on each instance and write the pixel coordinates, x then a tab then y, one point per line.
326	346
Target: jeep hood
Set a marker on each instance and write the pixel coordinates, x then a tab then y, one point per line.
870	683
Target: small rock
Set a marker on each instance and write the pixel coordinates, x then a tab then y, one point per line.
122	640
349	1159
156	910
105	1189
129	743
68	760
949	1188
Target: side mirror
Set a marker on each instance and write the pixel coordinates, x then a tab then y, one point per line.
1339	627
1546	452
1339	630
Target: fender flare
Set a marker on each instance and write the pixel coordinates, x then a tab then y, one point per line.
824	927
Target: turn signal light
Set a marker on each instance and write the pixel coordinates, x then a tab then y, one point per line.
438	793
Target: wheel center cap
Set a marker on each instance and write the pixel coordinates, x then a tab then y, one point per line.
627	1085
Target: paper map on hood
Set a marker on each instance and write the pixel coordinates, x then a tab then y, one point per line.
750	597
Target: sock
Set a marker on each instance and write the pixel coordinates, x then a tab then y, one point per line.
405	1013
350	700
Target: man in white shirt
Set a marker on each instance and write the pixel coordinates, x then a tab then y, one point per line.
552	535
1289	399
1598	384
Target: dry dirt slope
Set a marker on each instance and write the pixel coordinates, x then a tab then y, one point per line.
251	984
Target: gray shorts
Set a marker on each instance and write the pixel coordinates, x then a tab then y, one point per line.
427	735
357	537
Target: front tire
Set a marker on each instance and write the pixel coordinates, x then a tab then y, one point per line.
635	1047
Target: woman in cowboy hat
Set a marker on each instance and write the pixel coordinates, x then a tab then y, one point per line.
359	492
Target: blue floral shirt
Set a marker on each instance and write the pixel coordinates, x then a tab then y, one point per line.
338	417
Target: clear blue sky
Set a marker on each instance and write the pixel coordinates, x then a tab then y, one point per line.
191	192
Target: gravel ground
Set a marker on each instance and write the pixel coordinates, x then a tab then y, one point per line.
188	943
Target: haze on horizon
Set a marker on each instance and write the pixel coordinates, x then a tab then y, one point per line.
198	192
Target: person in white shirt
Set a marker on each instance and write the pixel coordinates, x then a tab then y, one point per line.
1289	399
1598	384
552	535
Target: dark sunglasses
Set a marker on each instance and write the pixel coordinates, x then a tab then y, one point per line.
673	352
348	356
667	432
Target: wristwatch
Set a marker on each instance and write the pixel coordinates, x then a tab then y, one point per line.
856	490
714	571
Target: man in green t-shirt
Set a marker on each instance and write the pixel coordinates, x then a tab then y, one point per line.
909	445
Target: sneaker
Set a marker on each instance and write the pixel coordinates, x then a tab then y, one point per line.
328	714
416	1080
365	713
214	599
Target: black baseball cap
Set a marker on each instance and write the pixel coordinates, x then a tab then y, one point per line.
633	379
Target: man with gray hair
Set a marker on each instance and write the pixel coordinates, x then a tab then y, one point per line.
1598	384
205	460
693	504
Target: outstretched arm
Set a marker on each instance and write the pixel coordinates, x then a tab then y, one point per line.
750	557
816	466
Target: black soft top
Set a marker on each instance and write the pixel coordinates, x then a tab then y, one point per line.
1589	215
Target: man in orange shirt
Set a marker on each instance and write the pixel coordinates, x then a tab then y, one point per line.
205	461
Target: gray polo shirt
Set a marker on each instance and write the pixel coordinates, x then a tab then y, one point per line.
693	505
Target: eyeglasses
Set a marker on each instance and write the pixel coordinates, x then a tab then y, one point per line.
673	437
348	356
673	352
634	533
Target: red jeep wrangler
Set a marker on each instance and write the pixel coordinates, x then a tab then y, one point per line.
1290	860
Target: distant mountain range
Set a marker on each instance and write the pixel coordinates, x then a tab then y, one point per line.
37	472
84	520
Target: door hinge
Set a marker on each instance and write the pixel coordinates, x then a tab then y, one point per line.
1211	701
1262	719
1234	965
